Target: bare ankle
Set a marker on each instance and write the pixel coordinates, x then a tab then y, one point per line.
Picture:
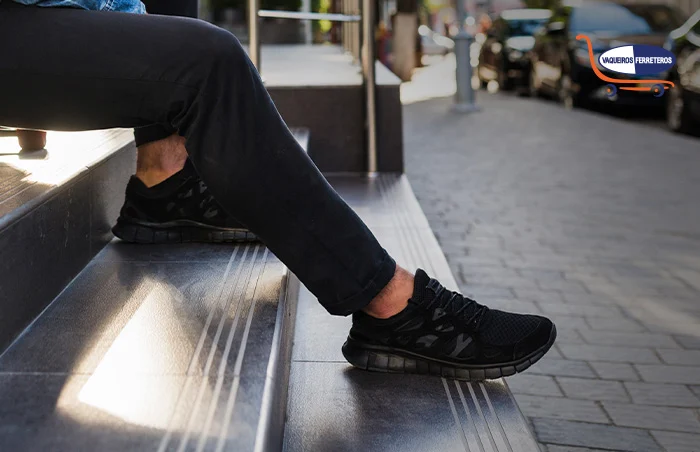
160	159
394	297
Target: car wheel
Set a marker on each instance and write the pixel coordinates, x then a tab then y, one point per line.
505	83
678	117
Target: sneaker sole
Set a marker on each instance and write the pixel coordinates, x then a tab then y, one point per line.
391	360
147	234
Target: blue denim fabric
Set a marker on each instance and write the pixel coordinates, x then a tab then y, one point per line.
127	6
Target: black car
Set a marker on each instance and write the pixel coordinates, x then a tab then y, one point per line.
560	65
683	102
503	55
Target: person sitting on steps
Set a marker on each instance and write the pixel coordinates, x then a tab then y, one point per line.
82	68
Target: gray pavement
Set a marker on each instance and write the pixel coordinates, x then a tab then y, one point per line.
594	222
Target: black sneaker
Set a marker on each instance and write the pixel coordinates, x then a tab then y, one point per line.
446	334
179	209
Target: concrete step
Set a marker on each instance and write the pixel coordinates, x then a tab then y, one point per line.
171	347
56	210
320	88
334	407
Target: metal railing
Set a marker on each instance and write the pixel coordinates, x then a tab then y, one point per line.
361	46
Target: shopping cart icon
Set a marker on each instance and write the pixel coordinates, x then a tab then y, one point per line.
656	87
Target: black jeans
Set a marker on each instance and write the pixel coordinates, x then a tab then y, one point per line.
182	8
67	69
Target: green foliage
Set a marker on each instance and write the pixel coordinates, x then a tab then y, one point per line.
321	6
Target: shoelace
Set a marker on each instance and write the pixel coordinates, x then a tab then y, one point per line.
458	305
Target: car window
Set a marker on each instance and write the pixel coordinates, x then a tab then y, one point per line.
618	20
524	27
660	18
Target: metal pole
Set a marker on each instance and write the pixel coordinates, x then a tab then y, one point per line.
369	76
254	32
306	7
344	26
464	98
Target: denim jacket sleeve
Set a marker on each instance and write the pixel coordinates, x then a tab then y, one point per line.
127	6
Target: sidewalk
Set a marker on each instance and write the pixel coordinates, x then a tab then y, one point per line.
592	221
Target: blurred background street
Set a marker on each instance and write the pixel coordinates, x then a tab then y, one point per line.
589	218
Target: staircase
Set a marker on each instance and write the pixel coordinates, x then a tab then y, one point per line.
108	346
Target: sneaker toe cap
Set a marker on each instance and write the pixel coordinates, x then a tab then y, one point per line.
543	335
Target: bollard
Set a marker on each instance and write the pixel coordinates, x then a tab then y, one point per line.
464	98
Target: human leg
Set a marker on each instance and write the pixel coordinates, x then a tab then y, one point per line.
95	70
204	86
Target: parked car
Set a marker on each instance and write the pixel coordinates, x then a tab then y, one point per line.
560	65
434	43
504	54
683	102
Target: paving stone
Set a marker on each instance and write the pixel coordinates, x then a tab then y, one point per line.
553	297
513	305
614	371
609	353
541	275
486	275
459	258
586	299
574	309
692	342
627	339
564	286
661	394
669	374
606	437
677	442
561	408
555	448
568	335
484	292
583	388
533	385
548	262
617	324
662	418
562	368
691	277
680	357
554	353
659	318
568	321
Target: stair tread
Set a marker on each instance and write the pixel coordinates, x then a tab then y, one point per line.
29	178
147	350
56	210
334	407
149	347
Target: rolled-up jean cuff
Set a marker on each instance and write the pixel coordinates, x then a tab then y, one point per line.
381	278
149	134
